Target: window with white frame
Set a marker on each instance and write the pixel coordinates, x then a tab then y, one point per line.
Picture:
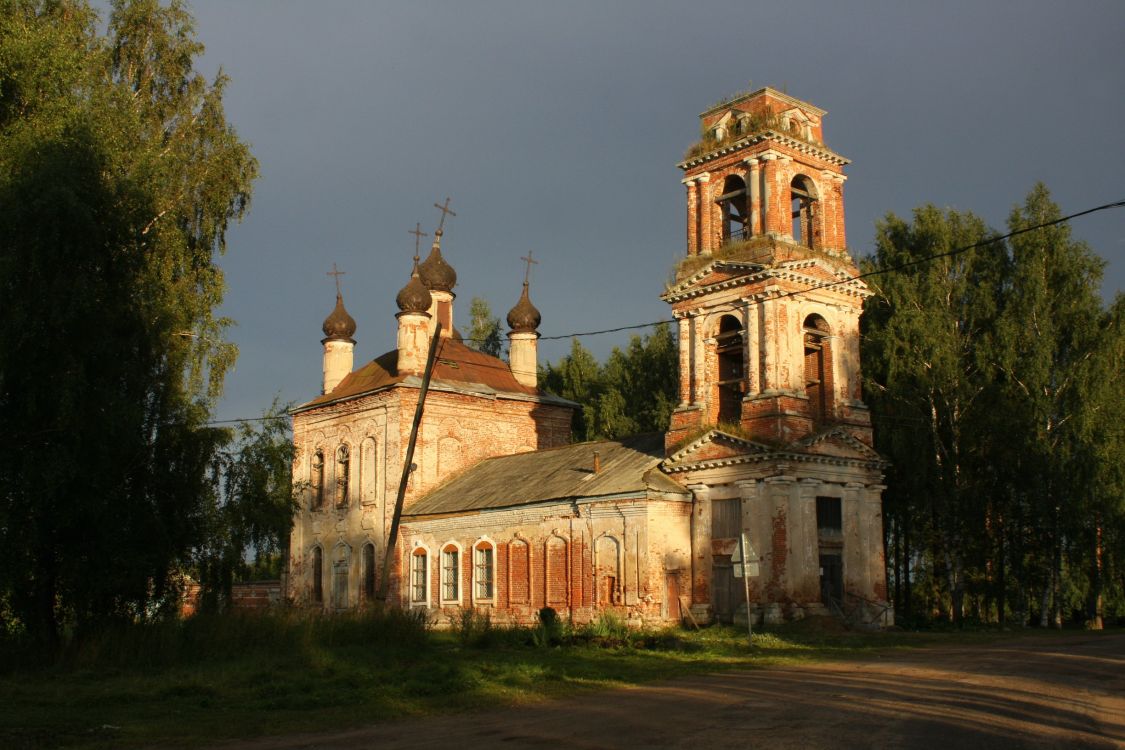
418	570
450	578
484	566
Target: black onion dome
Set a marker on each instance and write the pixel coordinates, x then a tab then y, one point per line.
414	297
524	317
436	274
339	325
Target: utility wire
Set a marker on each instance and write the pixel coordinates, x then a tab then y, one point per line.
798	292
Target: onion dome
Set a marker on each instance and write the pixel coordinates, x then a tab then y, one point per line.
339	326
437	275
524	318
414	297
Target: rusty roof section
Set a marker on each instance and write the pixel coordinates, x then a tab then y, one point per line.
629	466
457	366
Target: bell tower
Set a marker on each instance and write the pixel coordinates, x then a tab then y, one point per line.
767	298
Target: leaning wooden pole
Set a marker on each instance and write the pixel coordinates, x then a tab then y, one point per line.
388	558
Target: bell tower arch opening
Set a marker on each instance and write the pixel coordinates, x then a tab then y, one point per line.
818	367
802	192
732	203
729	349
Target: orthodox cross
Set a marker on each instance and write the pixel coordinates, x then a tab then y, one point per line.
418	235
337	274
444	211
527	273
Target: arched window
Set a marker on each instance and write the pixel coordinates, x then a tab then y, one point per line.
484	568
450	574
736	219
369	571
419	576
608	570
318	480
818	364
317	575
555	570
368	474
343	464
729	347
341	562
802	191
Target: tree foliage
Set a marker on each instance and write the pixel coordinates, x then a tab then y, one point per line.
253	510
985	372
484	328
119	176
634	392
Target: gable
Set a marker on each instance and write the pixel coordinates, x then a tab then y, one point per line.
715	445
837	442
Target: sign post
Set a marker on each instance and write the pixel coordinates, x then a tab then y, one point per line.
745	566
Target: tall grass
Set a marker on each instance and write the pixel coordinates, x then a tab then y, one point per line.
219	638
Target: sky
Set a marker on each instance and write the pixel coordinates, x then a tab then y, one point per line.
556	128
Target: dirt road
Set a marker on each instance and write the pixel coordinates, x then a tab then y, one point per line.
1024	693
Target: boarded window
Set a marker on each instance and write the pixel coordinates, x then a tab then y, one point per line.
726	518
318	480
369	571
343	465
340	565
556	571
318	576
519	576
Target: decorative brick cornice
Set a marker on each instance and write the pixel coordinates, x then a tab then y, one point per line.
776	136
787	271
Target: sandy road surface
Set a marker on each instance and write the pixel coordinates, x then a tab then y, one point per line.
1027	692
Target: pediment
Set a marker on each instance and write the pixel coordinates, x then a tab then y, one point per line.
716	445
837	442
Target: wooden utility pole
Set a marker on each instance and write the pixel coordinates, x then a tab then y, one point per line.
388	558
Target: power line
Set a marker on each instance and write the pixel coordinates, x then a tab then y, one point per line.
798	292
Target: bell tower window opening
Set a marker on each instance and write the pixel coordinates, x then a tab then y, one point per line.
735	216
804	202
729	348
817	363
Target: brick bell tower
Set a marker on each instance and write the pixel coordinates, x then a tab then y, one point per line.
765	347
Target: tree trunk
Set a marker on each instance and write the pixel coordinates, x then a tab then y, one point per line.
1045	603
1095	608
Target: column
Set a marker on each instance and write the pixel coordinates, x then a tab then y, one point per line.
753	185
769	340
767	170
684	327
805	575
698	359
857	577
706	241
755	526
692	216
876	561
751	364
700	544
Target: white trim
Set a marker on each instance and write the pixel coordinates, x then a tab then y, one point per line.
442	600
410	576
473	597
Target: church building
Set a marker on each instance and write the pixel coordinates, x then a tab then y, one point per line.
768	455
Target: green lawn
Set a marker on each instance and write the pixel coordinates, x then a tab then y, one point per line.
195	682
